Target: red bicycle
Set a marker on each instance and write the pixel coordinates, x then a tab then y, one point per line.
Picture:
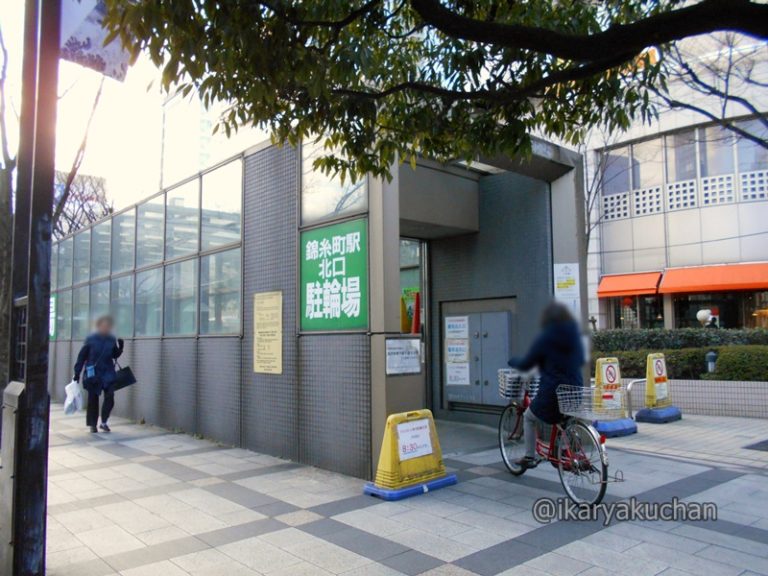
573	446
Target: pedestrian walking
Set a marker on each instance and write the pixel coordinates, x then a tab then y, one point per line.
96	362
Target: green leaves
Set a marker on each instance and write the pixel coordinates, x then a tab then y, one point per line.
380	84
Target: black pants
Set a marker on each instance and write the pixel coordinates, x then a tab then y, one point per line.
92	414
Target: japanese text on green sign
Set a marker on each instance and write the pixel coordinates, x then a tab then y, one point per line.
334	277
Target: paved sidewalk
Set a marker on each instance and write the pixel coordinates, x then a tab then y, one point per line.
147	502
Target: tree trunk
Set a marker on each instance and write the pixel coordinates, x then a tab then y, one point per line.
6	226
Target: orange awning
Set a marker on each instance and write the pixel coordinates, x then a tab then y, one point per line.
628	284
715	278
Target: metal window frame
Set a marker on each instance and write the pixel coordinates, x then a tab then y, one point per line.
325	220
209	254
112	280
194	258
161	268
113	244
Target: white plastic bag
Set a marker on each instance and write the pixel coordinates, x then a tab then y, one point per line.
74	400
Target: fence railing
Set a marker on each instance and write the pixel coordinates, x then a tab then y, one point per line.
710	397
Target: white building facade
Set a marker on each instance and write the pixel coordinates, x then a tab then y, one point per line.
681	212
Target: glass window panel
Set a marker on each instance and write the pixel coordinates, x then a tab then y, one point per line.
82	266
64	264
651	311
716	151
220	293
625	313
323	196
681	156
64	315
410	253
150	230
756	310
222	204
724	306
99	299
149	302
54	265
182	213
647	164
615	171
121	305
181	298
752	156
81	313
123	240
101	236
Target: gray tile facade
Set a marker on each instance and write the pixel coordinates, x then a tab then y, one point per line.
207	386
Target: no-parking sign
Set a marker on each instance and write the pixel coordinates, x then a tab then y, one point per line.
608	383
657	383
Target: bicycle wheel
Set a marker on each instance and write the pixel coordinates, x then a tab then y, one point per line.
511	442
580	464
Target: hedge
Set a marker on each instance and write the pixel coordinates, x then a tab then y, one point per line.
748	363
654	339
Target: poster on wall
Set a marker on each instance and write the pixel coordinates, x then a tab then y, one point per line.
567	288
403	356
334	277
457	374
456	350
268	333
456	327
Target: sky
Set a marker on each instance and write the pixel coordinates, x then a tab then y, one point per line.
125	139
124	142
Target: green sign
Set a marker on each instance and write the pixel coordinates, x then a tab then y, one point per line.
334	277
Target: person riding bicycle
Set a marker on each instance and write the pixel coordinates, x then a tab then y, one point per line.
558	353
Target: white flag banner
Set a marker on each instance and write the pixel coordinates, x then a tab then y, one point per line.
82	39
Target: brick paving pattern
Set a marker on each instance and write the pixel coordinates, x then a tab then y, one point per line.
147	502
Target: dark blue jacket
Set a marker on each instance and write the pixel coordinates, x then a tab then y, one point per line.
558	353
100	352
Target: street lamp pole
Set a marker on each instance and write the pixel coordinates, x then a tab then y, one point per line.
32	285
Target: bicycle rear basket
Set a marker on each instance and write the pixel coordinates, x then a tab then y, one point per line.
584	402
512	384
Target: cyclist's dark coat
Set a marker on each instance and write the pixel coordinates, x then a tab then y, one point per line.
558	353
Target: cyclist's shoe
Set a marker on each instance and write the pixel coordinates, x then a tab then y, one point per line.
526	463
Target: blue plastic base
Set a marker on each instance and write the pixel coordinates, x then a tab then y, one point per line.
616	428
391	495
659	415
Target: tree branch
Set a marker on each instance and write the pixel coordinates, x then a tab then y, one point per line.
77	162
507	95
728	125
710	15
282	12
9	163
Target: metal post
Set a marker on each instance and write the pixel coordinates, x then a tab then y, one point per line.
23	197
31	273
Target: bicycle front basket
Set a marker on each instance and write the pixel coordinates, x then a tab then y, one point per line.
584	402
512	384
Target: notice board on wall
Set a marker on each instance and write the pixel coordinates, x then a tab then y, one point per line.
268	332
